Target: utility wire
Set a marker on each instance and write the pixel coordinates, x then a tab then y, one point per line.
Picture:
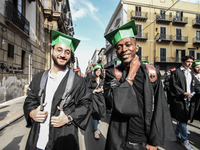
161	15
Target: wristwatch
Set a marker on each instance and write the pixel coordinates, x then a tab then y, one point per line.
69	120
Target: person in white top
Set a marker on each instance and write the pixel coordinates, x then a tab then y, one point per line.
183	104
56	128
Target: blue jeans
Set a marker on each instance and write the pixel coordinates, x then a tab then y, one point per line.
95	122
182	129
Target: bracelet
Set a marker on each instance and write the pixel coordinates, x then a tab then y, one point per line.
130	79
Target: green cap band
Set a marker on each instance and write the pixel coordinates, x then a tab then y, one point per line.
61	38
97	66
117	62
195	63
145	62
127	30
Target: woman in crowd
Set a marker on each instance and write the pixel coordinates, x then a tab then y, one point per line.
95	84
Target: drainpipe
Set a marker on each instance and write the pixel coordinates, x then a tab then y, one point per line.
30	67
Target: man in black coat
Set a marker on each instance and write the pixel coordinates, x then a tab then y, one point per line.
140	117
183	104
56	127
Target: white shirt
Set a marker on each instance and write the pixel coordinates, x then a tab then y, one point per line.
51	87
188	77
198	76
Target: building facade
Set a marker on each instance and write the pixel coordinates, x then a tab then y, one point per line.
25	27
167	30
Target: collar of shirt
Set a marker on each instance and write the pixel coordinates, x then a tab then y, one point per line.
182	68
60	74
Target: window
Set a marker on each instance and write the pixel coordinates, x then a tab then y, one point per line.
179	54
163	33
10	50
139	30
170	14
163	55
162	13
162	0
197	35
178	34
192	52
137	11
198	18
23	58
179	15
198	56
139	53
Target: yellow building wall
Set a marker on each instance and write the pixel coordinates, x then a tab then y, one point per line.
151	48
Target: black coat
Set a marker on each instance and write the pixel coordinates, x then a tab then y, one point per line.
123	100
99	106
179	107
80	108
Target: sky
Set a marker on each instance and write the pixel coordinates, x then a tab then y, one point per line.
90	22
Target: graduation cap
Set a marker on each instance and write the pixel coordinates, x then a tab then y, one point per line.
195	63
127	30
117	62
58	38
98	66
145	62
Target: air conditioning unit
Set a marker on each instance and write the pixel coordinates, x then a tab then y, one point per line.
175	19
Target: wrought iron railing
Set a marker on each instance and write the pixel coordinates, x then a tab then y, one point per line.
196	40
180	19
180	38
13	15
196	21
163	17
139	14
167	59
163	37
142	35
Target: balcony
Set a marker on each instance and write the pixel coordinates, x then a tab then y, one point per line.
196	23
14	17
167	59
180	21
165	19
163	38
141	36
138	15
143	58
180	39
196	40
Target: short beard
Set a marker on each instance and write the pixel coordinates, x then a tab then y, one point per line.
195	71
63	67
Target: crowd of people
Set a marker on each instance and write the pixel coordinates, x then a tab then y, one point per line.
59	100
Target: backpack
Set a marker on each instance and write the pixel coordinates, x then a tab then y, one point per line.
66	95
151	70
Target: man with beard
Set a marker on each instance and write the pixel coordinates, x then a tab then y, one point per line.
56	127
196	69
140	117
182	105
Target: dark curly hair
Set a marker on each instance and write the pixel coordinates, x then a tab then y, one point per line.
93	79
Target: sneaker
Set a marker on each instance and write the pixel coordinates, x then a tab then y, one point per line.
98	131
187	145
96	135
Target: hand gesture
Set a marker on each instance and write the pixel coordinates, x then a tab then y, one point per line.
58	121
134	66
150	147
38	115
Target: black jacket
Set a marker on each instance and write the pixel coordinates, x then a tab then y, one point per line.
179	107
80	108
122	98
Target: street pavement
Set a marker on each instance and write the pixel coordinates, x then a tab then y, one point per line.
12	110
